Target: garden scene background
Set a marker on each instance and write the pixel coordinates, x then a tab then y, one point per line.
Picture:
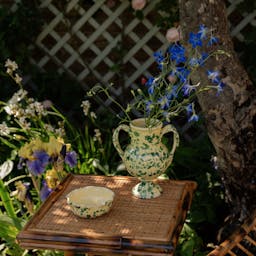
63	49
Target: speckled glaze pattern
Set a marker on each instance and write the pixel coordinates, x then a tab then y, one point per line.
146	157
90	213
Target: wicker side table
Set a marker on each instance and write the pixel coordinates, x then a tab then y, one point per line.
133	226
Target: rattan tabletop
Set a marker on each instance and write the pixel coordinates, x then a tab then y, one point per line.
132	224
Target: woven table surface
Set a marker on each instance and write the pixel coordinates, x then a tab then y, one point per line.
129	217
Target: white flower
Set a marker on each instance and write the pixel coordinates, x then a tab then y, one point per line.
18	96
11	66
24	123
4	129
14	110
93	115
86	107
97	136
17	79
60	132
48	128
36	108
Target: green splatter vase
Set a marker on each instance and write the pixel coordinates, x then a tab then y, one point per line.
146	157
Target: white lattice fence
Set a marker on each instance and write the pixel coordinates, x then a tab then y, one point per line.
240	23
96	43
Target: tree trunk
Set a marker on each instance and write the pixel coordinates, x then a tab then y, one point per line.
231	116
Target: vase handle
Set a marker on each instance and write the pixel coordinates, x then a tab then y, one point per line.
115	138
176	140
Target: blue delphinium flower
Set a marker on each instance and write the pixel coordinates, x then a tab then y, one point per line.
182	73
220	87
191	113
187	89
159	58
213	76
212	40
149	106
203	58
37	166
164	102
202	31
71	158
177	53
195	39
167	94
194	62
150	85
193	118
173	93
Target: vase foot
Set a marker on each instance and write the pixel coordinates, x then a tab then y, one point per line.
147	190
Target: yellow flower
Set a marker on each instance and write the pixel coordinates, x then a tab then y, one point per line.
21	194
21	191
52	178
54	146
28	149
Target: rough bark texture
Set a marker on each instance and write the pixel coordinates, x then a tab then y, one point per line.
231	116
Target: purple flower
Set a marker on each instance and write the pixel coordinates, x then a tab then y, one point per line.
71	158
37	166
45	191
20	163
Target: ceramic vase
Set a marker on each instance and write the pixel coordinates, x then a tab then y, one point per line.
146	157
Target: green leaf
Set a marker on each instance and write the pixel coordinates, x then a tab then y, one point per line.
187	248
8	233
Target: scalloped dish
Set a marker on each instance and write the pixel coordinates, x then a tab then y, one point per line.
90	201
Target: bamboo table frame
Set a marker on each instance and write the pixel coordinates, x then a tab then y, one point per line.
133	226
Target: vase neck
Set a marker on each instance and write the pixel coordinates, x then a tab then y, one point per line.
146	135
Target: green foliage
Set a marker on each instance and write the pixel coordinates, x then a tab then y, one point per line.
22	124
167	14
18	29
208	209
190	243
8	233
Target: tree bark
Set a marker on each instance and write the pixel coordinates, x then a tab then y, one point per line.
231	116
